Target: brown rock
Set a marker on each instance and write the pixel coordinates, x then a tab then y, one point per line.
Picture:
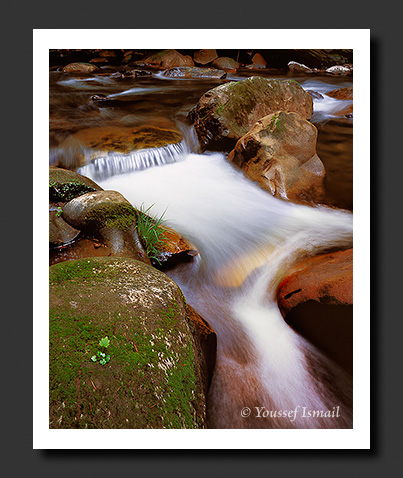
175	249
257	59
327	278
341	93
168	59
205	56
208	341
316	300
226	113
225	63
194	72
79	67
279	152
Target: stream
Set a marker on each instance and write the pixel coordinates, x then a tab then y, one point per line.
266	375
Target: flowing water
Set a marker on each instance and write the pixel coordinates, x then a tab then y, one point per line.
246	240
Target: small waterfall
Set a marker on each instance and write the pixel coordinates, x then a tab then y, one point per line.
116	163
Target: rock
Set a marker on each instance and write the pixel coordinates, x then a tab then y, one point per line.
80	67
225	63
315	94
341	93
167	59
316	299
65	185
107	54
132	73
258	60
279	152
208	342
339	70
99	60
155	377
227	112
93	211
194	72
60	233
175	249
202	57
299	67
105	139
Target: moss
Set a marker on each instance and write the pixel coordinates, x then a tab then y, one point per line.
118	216
66	191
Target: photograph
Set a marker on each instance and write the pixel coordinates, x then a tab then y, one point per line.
203	210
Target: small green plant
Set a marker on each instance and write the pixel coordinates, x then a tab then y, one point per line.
150	233
59	211
101	354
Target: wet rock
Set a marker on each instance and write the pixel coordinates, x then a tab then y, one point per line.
194	72
105	139
203	57
156	373
133	73
167	59
99	97
227	112
341	93
339	70
226	63
99	60
60	233
174	250
65	185
93	211
316	299
208	342
315	94
299	67
279	152
80	67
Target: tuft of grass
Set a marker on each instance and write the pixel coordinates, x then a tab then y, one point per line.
151	235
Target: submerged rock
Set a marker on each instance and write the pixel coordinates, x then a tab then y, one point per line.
316	299
279	152
227	112
194	72
156	374
105	139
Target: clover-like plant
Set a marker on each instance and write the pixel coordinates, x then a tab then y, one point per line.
101	355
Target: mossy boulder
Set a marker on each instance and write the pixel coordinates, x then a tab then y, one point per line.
155	377
95	210
60	233
65	185
279	152
226	113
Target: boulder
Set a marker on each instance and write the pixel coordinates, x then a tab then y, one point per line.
93	211
299	67
167	59
155	376
341	93
79	67
340	70
227	112
194	72
316	299
202	57
225	63
208	342
60	233
279	152
65	185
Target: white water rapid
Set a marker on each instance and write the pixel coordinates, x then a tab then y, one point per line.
246	239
